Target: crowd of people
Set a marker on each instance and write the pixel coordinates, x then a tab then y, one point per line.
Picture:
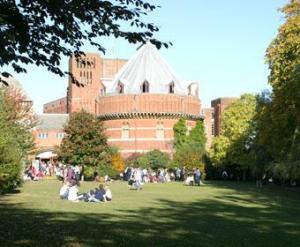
136	177
39	169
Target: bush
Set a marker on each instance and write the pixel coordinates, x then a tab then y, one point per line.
190	157
154	159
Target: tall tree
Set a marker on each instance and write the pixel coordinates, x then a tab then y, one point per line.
283	57
41	32
85	142
233	146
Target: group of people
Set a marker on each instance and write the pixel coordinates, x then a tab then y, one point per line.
70	192
194	178
136	177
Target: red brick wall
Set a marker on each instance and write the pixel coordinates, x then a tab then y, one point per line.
56	106
51	141
150	103
142	135
219	105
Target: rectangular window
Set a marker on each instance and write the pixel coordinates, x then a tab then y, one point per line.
43	135
60	135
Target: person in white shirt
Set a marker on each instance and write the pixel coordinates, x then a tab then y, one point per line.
64	190
108	195
73	194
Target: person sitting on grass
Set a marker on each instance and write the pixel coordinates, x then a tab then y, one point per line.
73	193
190	180
64	190
98	195
108	195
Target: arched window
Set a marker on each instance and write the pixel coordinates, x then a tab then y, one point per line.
172	87
160	130
145	87
125	131
120	88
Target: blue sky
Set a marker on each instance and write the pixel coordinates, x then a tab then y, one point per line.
219	43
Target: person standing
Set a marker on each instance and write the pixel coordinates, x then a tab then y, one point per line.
197	175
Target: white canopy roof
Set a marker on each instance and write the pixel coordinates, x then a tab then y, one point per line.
146	65
46	155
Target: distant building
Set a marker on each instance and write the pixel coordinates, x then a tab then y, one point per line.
96	74
139	100
49	131
219	105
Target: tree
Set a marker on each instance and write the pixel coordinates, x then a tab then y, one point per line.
16	140
233	147
41	32
85	142
154	159
180	133
189	157
283	57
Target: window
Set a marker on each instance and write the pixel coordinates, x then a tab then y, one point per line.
125	131
91	75
60	135
172	87
160	130
43	135
102	91
120	88
145	87
94	62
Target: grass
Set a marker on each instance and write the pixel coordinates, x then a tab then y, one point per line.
217	214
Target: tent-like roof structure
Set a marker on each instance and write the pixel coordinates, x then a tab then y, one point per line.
146	65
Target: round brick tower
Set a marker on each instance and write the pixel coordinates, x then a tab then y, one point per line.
143	103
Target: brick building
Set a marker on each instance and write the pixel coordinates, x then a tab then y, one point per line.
219	105
49	131
139	100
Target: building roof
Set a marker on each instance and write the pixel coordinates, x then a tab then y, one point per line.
146	65
51	121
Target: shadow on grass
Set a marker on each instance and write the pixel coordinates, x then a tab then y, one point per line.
229	220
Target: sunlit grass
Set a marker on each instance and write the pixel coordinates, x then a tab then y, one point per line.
216	214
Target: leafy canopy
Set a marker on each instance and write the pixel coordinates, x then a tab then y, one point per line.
41	32
85	142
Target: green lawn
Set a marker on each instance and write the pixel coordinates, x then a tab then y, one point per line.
216	214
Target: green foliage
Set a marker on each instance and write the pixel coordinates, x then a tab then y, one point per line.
85	142
154	159
189	148
282	112
218	151
180	133
15	141
188	156
132	160
41	32
197	136
233	146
